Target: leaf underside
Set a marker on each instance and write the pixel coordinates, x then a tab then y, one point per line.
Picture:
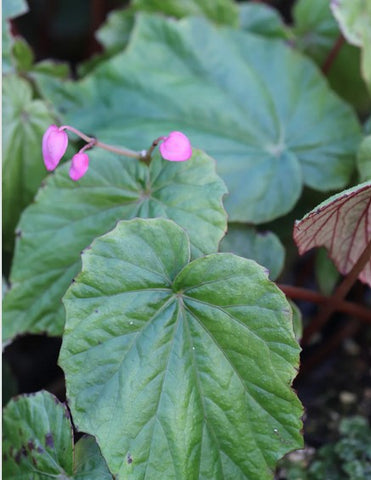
342	224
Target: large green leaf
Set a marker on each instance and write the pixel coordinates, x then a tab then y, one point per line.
216	84
67	216
24	122
316	33
181	370
38	442
263	247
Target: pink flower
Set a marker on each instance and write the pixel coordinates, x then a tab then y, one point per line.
176	147
79	166
54	146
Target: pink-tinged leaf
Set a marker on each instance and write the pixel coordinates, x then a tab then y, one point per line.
342	224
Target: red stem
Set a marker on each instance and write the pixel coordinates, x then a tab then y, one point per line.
333	54
350	308
336	299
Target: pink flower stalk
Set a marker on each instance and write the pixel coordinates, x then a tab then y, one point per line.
79	166
176	147
54	146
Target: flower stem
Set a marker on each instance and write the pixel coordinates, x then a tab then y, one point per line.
94	142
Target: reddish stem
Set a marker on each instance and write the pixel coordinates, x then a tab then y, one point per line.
333	54
336	299
350	308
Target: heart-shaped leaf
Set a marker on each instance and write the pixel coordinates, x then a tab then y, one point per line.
265	248
38	442
341	224
180	370
230	92
67	216
24	122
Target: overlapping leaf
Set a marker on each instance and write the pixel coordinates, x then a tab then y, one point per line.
262	19
216	84
265	248
354	17
181	370
24	122
316	33
67	216
38	442
343	225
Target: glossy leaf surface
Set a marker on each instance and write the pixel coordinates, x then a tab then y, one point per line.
342	224
38	442
67	216
265	135
180	370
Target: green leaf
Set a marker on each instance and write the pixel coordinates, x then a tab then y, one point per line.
223	12
180	370
10	9
354	17
316	33
327	274
22	55
364	159
269	137
13	8
38	442
24	123
265	248
67	216
341	224
115	33
262	19
297	320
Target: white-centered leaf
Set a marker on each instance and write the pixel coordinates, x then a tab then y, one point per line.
181	370
261	110
342	224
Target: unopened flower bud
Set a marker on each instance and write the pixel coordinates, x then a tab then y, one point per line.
176	147
79	166
54	146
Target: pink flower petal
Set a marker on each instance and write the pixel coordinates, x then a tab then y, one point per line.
176	147
79	166
54	146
